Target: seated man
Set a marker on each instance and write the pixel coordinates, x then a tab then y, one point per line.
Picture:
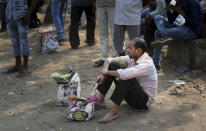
191	11
135	78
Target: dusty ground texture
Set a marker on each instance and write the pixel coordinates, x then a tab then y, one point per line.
32	106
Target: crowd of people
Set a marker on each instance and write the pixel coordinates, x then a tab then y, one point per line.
133	71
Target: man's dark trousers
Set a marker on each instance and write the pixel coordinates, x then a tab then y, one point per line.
128	90
76	13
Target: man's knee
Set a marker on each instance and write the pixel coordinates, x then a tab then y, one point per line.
158	18
114	66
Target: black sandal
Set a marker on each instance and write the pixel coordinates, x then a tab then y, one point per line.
12	70
99	63
23	73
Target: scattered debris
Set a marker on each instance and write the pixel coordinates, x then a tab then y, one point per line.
185	78
197	86
178	82
181	69
196	72
29	83
11	93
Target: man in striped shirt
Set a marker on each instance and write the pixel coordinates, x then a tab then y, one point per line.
135	78
18	16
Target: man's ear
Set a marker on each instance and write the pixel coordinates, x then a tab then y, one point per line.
139	50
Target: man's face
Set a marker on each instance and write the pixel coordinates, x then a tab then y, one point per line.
132	51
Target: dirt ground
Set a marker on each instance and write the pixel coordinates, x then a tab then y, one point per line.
32	106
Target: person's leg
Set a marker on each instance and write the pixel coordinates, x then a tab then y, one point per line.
157	51
166	29
103	31
61	14
13	31
3	22
91	23
24	42
119	37
149	33
56	7
76	13
104	87
173	31
133	31
129	90
110	15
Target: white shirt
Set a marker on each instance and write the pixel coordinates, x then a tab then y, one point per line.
143	69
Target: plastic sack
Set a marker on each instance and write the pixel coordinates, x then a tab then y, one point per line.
67	85
82	109
50	45
42	34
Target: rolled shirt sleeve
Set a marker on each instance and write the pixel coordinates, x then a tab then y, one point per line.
135	71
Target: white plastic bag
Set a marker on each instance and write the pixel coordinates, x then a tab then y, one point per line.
68	85
50	45
82	109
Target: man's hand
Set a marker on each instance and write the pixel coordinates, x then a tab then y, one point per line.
25	21
100	79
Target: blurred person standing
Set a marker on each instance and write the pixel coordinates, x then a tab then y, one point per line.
105	16
127	17
18	16
77	8
58	8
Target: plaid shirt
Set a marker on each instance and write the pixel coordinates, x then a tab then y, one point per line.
15	9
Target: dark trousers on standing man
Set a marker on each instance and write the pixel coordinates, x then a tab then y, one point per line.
128	90
76	13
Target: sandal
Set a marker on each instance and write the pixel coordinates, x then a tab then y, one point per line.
12	70
23	73
99	63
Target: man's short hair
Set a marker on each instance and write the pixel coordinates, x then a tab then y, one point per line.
140	43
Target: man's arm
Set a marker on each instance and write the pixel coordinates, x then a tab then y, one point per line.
111	73
100	78
106	72
135	71
120	60
26	19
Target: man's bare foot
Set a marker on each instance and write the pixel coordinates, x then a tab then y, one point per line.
108	117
